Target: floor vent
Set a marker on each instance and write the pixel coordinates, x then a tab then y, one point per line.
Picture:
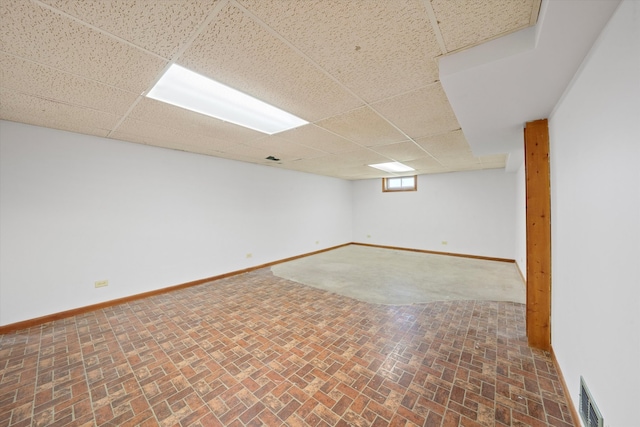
588	410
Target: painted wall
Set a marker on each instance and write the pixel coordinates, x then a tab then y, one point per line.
75	209
474	212
521	220
595	182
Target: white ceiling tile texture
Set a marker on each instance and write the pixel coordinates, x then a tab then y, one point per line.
420	113
363	126
158	26
160	113
375	48
364	74
45	82
16	106
465	23
240	53
35	33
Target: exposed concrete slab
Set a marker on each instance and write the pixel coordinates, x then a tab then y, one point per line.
387	276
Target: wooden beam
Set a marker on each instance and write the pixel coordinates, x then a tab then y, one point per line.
536	147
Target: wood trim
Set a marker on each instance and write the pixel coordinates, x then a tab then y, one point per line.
386	190
424	251
567	394
81	310
538	219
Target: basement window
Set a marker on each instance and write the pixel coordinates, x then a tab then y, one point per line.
400	183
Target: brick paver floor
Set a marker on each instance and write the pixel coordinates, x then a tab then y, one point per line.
255	349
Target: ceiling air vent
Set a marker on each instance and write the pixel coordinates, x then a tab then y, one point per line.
588	410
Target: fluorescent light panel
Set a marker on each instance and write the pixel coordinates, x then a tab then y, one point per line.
392	167
192	91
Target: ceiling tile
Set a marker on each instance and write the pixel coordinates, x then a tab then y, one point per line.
318	138
74	65
284	149
470	22
336	161
241	158
237	51
45	82
426	165
493	162
451	150
402	151
23	108
420	113
496	158
440	145
361	157
162	136
333	165
254	153
152	111
319	165
377	49
32	32
158	26
363	126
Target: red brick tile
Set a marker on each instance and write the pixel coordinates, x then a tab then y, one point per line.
243	349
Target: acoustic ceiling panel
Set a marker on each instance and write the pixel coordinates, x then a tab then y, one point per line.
318	138
20	107
45	82
493	162
283	149
237	51
152	111
168	137
402	151
440	145
426	165
364	127
376	49
364	74
470	22
38	34
420	113
158	26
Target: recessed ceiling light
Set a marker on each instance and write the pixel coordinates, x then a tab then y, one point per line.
192	91
392	167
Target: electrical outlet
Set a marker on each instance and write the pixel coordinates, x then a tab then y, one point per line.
444	242
101	283
249	255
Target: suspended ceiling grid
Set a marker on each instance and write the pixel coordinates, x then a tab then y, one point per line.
363	73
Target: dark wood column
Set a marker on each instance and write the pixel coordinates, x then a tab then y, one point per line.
536	147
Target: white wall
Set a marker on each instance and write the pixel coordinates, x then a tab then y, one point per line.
474	212
521	220
75	209
595	182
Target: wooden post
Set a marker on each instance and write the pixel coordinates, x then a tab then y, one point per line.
536	147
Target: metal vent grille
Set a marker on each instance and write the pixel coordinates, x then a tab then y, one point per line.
588	410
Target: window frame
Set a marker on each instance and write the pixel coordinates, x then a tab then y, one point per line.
386	189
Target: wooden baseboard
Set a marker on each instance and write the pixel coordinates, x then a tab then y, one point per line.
81	310
572	408
424	251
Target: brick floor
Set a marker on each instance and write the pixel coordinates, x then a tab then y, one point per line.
256	350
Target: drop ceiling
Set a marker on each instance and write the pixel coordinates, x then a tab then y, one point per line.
365	74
